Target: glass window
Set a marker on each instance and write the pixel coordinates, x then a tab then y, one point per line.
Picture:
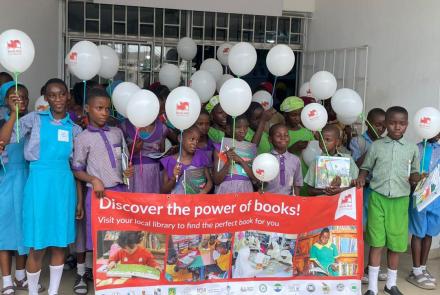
172	16
248	22
221	35
295	26
170	54
222	20
119	13
92	11
157	57
106	19
283	30
183	24
209	52
198	33
119	28
197	18
147	15
146	30
235	27
259	28
271	23
76	16
171	31
247	36
92	26
159	22
145	57
132	21
209	25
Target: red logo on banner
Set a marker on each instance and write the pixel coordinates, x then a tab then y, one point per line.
14	47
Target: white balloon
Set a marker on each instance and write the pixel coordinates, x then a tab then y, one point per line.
121	96
41	104
17	51
305	90
242	58
311	152
323	85
223	53
170	76
314	116
222	80
187	48
280	60
235	97
204	84
212	66
109	62
347	120
142	108
427	122
265	167
264	98
182	107
347	103
84	60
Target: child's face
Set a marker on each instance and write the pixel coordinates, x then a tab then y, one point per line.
203	124
396	124
222	250
378	122
99	111
241	128
56	95
323	239
254	120
331	140
219	116
293	118
190	141
280	138
22	96
130	249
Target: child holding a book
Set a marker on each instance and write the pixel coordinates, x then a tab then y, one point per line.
289	181
425	224
331	136
394	164
190	158
241	178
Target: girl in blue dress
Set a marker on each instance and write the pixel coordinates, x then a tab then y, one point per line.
50	200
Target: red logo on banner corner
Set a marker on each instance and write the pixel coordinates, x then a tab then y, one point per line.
14	47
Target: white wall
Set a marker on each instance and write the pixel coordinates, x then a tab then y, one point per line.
404	48
40	20
299	5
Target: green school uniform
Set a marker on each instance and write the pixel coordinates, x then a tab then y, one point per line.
324	256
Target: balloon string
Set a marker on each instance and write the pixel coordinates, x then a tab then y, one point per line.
17	128
423	156
371	126
323	143
233	143
262	187
3	165
273	87
134	143
180	152
84	96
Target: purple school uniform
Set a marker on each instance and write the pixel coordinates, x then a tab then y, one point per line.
290	174
99	152
199	160
146	177
234	183
208	149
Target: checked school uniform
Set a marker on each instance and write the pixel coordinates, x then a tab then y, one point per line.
49	202
98	151
391	162
426	222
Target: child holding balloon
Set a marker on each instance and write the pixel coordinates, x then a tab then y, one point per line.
258	120
205	143
189	158
224	180
49	203
97	161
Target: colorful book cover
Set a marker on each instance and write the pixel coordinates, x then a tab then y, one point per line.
427	190
194	180
327	168
245	150
134	270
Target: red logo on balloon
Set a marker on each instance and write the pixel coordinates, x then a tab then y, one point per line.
265	104
14	47
259	171
312	113
73	56
226	50
425	121
182	108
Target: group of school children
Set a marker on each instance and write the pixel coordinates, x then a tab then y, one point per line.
52	158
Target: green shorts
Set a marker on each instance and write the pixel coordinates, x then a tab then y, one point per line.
387	223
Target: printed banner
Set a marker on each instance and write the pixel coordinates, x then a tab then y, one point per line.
247	243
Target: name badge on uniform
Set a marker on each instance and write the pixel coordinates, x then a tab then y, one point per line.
63	135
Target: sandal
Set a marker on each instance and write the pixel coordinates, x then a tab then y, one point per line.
420	281
7	290
23	285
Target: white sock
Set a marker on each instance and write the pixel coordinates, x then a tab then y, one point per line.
56	271
89	259
81	269
392	278
417	271
373	275
33	278
422	267
7	281
20	274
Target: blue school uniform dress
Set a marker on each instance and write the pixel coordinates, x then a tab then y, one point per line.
13	175
49	203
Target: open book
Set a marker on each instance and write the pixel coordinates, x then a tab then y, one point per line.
134	270
194	180
427	190
327	168
245	150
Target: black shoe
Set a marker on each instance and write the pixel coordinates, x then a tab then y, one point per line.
392	291
369	292
89	274
80	287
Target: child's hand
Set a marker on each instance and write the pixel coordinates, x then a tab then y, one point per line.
111	265
2	146
336	181
177	170
298	146
13	100
138	145
332	190
232	156
98	187
359	182
129	172
268	114
79	212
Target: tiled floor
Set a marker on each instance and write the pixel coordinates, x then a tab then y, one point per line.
405	287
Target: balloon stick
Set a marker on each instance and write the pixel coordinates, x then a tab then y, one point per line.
180	152
423	156
84	96
323	143
134	143
17	128
233	142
